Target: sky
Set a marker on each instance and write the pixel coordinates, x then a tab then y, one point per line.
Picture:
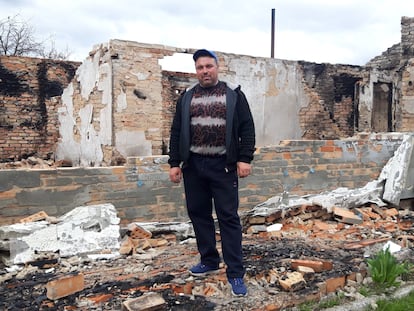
322	31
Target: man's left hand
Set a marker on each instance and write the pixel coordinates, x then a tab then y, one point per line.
243	169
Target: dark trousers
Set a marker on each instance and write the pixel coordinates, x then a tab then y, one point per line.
207	184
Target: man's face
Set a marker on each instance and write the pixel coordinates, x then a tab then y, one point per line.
206	71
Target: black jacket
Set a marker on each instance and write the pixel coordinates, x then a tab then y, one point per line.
240	133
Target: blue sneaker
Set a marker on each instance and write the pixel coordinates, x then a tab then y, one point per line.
237	287
201	270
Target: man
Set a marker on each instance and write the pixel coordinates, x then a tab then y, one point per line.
212	144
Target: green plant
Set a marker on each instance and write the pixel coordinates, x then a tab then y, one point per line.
409	273
333	301
364	291
397	304
307	306
384	269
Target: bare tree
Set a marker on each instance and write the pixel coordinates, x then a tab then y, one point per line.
50	51
17	37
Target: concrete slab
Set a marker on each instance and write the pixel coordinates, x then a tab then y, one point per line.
398	173
84	230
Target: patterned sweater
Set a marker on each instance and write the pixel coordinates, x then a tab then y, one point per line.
208	120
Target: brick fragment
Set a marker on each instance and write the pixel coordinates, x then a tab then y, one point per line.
346	216
293	282
257	220
307	272
368	214
392	212
127	246
272	307
378	210
274	217
333	284
101	298
138	232
316	265
324	226
35	217
65	286
147	302
158	242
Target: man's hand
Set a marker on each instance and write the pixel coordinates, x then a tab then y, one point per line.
175	174
243	169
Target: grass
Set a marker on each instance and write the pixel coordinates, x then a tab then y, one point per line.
401	304
337	300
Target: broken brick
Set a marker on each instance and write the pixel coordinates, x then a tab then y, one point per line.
101	298
346	216
323	226
147	302
257	220
274	216
391	212
307	272
65	286
317	266
35	217
138	232
333	284
272	307
293	281
157	242
127	246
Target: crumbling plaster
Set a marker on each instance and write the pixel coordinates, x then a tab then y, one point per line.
80	140
273	88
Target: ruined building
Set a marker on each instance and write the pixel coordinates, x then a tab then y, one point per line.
119	102
114	111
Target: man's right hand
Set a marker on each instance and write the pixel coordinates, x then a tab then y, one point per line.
175	174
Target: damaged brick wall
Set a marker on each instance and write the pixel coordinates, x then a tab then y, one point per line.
331	112
173	85
393	68
30	90
141	190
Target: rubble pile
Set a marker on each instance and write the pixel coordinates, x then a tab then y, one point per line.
296	250
306	255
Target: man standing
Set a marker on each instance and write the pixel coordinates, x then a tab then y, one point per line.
212	144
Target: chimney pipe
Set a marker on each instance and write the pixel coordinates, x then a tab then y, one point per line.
272	46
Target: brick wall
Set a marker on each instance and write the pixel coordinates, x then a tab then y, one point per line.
331	89
30	90
141	190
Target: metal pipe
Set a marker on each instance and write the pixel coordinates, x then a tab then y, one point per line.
272	47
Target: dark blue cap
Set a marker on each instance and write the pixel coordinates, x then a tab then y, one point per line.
204	52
